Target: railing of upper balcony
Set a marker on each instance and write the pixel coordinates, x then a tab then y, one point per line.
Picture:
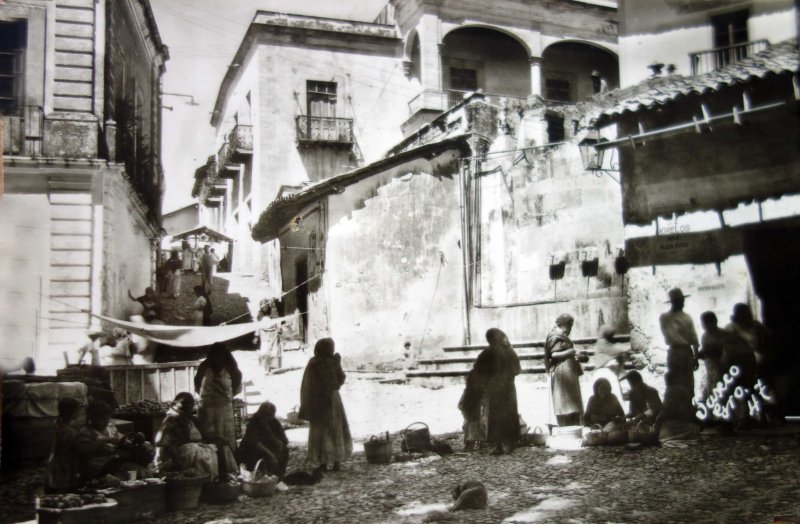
222	155
444	100
324	129
713	59
22	133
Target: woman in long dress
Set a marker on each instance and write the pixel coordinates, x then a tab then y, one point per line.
217	380
329	439
564	371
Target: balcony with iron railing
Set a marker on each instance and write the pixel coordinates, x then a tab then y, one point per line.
314	130
23	132
238	146
719	57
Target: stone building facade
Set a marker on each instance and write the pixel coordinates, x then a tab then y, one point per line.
83	179
324	99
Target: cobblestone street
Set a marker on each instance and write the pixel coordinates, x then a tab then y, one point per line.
750	478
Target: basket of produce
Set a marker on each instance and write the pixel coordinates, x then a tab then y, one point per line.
221	492
617	434
416	439
86	508
643	433
378	450
595	436
256	483
183	490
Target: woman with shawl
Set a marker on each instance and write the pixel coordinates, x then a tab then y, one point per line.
564	370
603	407
264	439
329	439
496	367
202	308
217	380
180	446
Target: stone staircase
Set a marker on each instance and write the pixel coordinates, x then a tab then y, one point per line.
458	360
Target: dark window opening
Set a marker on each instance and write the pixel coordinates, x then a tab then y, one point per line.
558	90
321	98
730	28
463	79
555	128
12	56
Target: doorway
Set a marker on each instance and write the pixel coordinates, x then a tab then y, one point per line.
301	293
773	255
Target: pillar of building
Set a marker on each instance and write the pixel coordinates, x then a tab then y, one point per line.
429	40
536	75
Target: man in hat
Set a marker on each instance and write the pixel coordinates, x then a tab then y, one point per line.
681	337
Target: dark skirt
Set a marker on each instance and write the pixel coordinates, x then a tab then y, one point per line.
502	415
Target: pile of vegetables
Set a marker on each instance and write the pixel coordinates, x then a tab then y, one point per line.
143	407
71	500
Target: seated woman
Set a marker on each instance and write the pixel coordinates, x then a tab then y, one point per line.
265	439
61	466
677	419
101	450
645	404
180	446
603	407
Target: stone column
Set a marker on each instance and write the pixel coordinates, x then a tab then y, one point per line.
536	75
431	65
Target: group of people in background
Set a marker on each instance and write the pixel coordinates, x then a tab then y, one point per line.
742	354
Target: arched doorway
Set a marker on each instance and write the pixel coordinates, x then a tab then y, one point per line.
480	58
574	71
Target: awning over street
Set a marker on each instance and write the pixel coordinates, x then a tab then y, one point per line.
212	235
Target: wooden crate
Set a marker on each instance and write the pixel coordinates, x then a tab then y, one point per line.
162	382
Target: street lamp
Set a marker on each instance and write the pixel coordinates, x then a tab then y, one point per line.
591	156
191	101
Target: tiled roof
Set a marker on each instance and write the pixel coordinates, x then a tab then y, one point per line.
776	59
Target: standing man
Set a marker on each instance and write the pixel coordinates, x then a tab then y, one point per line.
207	264
679	334
496	367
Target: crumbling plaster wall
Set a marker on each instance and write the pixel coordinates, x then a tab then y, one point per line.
393	269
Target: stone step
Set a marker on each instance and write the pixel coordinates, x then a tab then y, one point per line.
579	343
462	372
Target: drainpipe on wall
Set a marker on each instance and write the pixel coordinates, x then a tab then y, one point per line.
463	174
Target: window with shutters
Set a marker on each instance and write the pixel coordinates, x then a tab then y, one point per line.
320	123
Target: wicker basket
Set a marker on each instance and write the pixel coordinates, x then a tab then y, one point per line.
88	514
537	438
378	450
595	436
183	493
262	488
643	433
417	439
220	493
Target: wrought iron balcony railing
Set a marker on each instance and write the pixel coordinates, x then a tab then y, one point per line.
23	133
717	58
324	129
